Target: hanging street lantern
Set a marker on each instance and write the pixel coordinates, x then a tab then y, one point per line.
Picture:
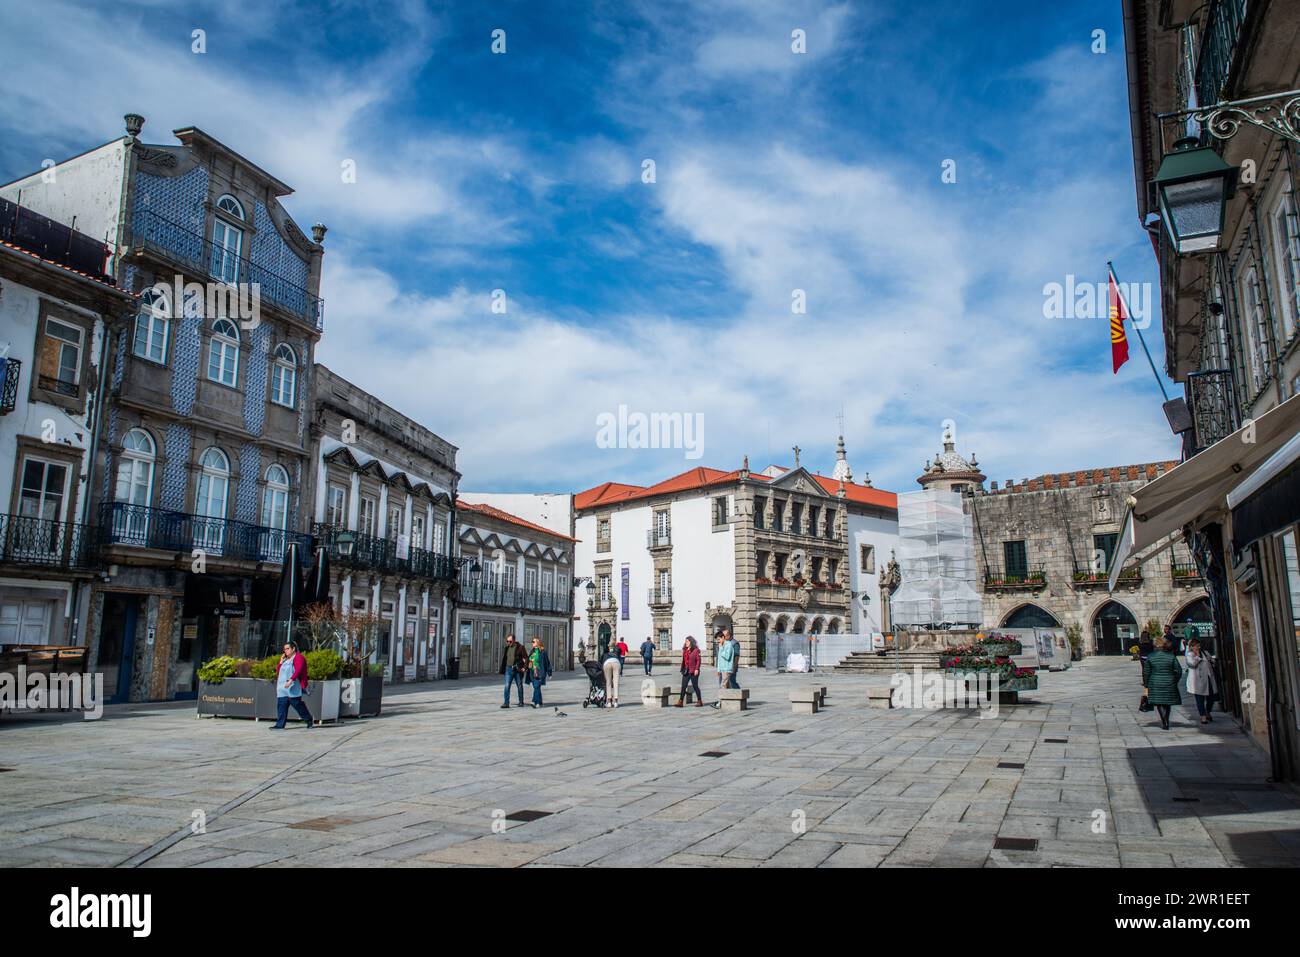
345	541
1194	185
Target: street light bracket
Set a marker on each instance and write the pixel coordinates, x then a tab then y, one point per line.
1278	113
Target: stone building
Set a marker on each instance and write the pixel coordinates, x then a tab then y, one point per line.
783	550
1043	549
1211	101
58	306
383	489
204	449
516	578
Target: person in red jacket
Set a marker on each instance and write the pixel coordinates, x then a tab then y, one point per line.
690	672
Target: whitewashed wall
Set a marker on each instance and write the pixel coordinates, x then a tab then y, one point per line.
883	534
87	188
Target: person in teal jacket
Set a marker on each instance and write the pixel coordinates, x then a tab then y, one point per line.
1161	673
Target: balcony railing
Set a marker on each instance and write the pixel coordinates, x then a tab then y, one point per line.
658	538
181	243
12	372
1218	43
1213	413
1028	578
372	553
1085	576
54	241
26	540
496	594
603	604
661	596
144	527
1184	573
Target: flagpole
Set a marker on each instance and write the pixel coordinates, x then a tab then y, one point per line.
1141	339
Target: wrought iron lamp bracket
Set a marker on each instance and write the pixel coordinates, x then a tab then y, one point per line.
1278	113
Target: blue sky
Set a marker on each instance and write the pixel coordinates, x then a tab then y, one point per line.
774	172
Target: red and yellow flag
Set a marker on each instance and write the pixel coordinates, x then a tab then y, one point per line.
1118	313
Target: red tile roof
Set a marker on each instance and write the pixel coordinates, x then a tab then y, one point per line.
703	477
62	268
494	512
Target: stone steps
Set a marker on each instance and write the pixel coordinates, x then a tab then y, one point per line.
866	662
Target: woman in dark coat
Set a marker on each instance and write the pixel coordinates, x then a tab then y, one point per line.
1161	673
690	672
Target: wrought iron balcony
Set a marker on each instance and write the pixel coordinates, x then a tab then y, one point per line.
182	244
12	372
1185	573
1213	412
1085	576
659	538
27	540
493	593
1218	44
372	553
54	241
661	596
140	526
1025	578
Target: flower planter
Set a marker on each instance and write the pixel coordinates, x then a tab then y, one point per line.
235	698
999	649
361	696
322	699
1019	684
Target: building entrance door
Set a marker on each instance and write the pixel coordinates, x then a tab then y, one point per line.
117	645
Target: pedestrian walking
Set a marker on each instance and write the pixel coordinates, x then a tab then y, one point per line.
622	654
648	655
290	686
539	669
690	672
612	666
1200	679
1160	674
514	665
726	657
733	679
1145	646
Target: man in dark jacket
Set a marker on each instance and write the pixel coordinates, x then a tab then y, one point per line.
514	663
648	655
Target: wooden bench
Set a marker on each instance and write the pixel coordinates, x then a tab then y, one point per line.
734	699
805	700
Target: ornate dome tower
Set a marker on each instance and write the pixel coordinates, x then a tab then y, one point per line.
950	471
842	471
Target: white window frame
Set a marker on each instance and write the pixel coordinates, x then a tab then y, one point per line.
1253	319
223	353
284	376
336	507
367	515
1285	234
154	321
275	498
63	343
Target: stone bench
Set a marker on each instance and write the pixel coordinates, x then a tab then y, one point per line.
675	695
822	695
880	697
805	700
657	696
734	699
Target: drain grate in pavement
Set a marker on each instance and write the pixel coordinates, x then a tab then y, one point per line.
528	815
1011	764
1015	844
715	754
1056	740
322	823
782	731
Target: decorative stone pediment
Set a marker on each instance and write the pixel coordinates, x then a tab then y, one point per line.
799	480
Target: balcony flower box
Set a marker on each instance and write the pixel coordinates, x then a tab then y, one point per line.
760	580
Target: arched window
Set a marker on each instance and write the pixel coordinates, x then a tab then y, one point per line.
1030	616
284	376
227	241
223	353
228	204
275	500
134	488
151	325
211	494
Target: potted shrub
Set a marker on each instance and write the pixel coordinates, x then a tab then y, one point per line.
362	688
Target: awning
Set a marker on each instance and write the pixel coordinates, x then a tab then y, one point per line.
1202	483
1270	499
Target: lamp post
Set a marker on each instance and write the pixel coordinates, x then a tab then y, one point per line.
1194	185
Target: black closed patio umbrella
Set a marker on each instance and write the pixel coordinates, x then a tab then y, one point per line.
288	596
316	589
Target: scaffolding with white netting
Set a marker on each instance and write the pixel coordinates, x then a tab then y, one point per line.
936	559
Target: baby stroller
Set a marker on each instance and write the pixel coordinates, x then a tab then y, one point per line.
596	693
